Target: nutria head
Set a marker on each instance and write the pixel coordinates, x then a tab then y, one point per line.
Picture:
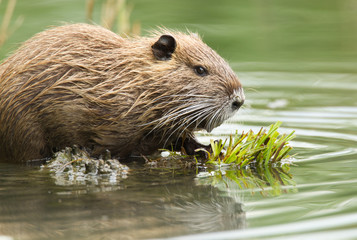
202	90
82	84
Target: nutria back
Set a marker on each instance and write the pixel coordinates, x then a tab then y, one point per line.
82	84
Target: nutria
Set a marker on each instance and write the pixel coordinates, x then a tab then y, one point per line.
85	85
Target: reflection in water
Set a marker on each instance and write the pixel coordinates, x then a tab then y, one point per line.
150	202
148	199
269	181
204	209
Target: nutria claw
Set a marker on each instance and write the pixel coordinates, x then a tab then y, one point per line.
190	146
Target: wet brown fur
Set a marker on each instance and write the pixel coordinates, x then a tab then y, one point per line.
82	84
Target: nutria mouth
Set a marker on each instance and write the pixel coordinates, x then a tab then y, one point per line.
84	85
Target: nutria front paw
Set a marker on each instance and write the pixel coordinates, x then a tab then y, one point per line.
190	146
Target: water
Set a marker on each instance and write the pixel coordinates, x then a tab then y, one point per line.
297	61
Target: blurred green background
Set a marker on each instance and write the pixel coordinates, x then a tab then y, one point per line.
270	31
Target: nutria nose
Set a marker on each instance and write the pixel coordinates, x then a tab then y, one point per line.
236	104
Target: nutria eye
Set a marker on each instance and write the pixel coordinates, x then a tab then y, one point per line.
200	71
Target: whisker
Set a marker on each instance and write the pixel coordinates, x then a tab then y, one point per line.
180	97
213	122
190	121
177	113
187	111
201	116
168	120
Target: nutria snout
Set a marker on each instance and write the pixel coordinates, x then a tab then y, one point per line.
82	84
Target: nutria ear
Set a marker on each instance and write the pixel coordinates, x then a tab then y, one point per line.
164	47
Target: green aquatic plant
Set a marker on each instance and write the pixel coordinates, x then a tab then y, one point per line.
262	148
252	162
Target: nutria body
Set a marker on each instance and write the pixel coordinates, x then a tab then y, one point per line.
82	84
